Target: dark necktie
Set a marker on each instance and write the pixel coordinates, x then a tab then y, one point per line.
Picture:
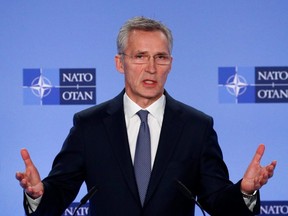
142	161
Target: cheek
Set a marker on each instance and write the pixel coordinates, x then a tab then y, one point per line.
134	74
132	77
164	76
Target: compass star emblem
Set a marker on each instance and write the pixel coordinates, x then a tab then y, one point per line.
236	85
41	86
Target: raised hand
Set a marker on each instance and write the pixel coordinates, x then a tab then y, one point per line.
256	175
30	179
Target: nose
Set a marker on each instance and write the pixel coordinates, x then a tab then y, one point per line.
151	66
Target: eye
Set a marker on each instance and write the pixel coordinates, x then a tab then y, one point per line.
140	56
162	57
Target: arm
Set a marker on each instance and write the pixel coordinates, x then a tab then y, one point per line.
228	199
62	184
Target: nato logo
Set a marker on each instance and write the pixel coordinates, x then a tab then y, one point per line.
62	86
82	211
272	208
253	84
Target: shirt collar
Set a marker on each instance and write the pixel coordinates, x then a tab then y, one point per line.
156	109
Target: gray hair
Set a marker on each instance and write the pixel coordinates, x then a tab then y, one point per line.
145	24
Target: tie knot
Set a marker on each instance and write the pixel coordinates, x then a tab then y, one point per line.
143	115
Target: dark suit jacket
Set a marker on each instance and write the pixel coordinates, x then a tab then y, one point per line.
97	151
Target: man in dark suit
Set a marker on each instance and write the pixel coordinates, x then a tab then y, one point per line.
100	148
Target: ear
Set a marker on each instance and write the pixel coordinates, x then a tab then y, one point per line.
119	63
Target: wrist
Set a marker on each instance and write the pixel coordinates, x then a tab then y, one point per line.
248	195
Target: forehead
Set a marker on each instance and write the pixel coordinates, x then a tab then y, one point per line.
146	41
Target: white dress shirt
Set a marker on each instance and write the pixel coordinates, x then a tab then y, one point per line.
155	119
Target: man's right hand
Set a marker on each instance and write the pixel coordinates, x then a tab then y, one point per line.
30	179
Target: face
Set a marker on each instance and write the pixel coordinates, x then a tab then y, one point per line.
144	83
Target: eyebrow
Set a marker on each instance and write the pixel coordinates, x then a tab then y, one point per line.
146	52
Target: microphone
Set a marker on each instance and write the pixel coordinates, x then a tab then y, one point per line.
88	196
189	195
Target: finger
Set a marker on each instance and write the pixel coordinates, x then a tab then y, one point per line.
24	184
264	179
26	157
274	163
256	183
270	169
35	191
259	153
270	174
19	176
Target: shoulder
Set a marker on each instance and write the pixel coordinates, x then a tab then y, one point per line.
101	110
94	110
186	111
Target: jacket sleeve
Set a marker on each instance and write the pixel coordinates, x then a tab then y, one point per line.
217	194
63	183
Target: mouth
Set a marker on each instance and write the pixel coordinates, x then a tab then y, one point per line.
149	82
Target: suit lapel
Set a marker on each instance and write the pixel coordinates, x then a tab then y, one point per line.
170	132
116	127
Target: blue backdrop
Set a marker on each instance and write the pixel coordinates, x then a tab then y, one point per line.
82	34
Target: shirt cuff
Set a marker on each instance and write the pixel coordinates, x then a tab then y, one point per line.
250	200
32	203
